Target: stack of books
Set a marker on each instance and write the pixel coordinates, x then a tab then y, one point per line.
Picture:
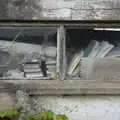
94	49
97	49
32	69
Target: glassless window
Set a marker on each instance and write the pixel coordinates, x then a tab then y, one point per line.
86	50
28	52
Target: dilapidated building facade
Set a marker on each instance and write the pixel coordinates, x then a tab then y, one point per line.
64	53
62	9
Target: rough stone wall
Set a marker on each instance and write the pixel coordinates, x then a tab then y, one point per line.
60	9
6	100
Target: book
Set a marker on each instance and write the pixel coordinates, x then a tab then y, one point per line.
33	74
115	52
104	48
74	62
93	45
32	70
31	65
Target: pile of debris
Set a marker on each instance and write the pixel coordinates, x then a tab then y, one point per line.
37	61
94	49
40	61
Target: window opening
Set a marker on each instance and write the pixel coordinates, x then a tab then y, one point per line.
89	43
28	52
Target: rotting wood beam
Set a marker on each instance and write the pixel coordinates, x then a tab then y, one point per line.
62	87
61	58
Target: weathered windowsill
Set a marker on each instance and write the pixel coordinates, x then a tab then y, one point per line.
62	87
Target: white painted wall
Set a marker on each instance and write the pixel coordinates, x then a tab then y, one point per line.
97	107
77	107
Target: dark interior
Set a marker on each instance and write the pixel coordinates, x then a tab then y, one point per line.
29	34
76	39
80	38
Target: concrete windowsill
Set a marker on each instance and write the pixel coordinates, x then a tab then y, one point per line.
62	87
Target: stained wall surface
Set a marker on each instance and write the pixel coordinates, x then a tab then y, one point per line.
77	107
97	107
60	9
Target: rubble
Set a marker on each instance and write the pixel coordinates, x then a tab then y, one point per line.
14	74
26	48
40	60
34	55
94	49
43	63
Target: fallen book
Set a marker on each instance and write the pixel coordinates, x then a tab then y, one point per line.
104	48
33	75
19	47
93	45
74	63
51	63
31	65
32	70
115	52
51	66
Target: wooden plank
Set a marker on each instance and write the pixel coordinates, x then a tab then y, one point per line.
62	87
61	52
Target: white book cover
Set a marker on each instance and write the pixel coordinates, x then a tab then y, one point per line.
90	48
115	52
32	70
33	75
106	51
31	66
104	48
94	50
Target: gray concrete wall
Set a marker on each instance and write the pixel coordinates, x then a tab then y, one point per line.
84	107
60	9
76	107
97	107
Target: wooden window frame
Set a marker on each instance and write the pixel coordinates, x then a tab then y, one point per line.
61	86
